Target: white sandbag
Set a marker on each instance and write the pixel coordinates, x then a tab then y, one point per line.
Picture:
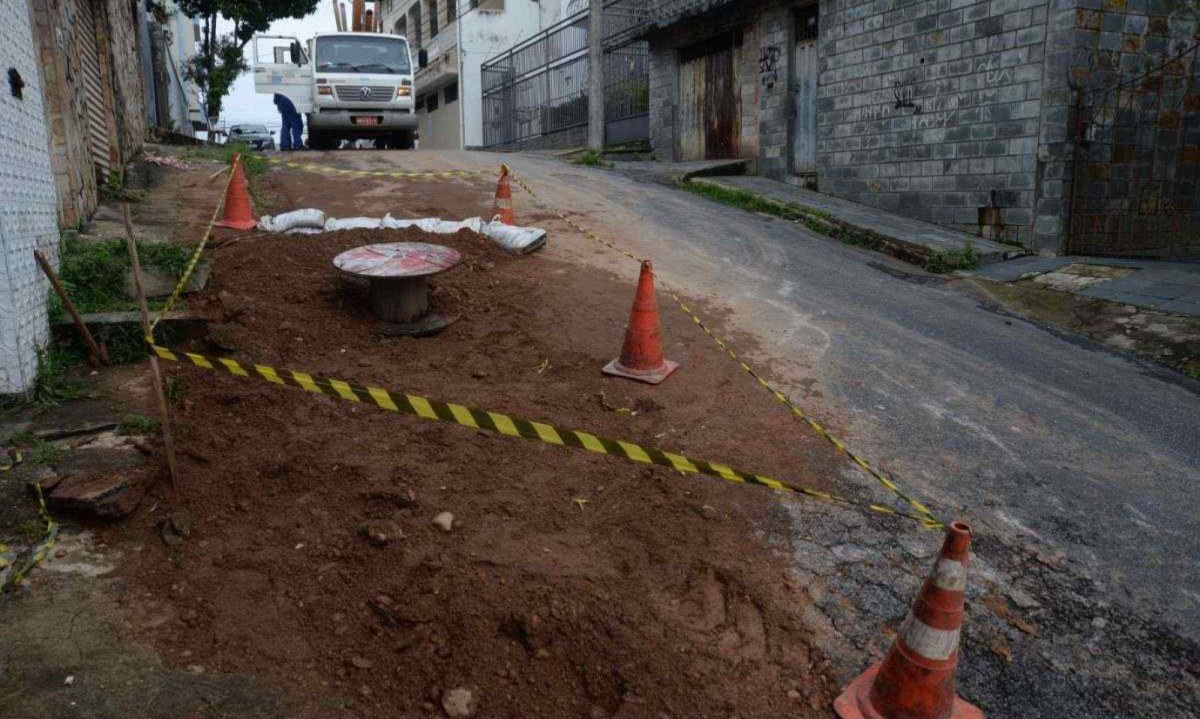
292	220
305	231
352	223
520	240
392	223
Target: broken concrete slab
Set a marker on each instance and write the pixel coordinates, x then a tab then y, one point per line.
157	283
98	483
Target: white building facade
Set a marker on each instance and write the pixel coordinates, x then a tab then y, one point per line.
458	35
29	214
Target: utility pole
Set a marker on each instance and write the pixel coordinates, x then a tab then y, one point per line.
596	75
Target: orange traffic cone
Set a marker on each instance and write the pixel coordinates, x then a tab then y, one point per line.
239	214
641	356
916	678
503	206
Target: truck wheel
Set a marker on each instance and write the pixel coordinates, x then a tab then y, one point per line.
403	140
320	141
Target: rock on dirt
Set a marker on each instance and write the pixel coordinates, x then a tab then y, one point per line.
104	497
444	521
458	702
231	305
381	533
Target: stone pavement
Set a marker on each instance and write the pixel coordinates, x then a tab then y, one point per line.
1157	284
923	237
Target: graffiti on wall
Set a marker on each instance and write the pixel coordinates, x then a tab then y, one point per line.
768	66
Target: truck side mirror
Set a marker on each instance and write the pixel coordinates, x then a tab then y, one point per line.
422	58
296	55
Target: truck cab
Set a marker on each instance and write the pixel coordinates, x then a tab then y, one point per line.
349	85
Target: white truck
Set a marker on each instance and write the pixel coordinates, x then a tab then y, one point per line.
349	85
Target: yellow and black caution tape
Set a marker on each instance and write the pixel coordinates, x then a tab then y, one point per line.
507	425
194	260
927	516
11	574
396	174
10	458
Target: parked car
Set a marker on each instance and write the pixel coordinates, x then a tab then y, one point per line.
256	136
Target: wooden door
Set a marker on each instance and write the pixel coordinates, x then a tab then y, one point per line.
707	121
804	92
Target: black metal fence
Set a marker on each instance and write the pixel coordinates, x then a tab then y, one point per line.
540	87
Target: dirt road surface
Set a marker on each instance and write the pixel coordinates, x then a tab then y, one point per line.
313	583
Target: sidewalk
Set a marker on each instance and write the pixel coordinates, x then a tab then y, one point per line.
910	237
1158	284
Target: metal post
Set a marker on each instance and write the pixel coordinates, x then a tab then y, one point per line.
596	75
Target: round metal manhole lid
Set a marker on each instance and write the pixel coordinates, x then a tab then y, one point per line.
397	259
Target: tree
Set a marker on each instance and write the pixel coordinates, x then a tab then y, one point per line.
221	58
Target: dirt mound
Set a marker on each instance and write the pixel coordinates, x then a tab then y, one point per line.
569	584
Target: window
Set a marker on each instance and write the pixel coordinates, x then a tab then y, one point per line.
402	26
451	93
420	104
433	18
414	22
345	54
431	102
806	24
451	10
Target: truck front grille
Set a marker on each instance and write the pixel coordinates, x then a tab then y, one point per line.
364	93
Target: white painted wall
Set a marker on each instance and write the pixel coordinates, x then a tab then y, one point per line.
480	34
28	214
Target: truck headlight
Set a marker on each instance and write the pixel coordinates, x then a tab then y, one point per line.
403	91
324	90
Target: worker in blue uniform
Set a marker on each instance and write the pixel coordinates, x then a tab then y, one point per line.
293	124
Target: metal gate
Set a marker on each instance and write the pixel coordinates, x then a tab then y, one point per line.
1136	166
540	87
95	105
709	99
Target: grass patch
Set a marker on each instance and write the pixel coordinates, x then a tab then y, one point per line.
591	158
253	164
54	384
815	220
94	273
42	453
34	449
138	424
944	262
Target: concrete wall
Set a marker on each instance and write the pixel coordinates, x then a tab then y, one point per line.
1135	184
927	108
57	33
118	37
28	215
440	129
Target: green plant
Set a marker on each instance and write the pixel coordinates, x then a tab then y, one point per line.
53	384
940	262
590	157
41	452
253	164
138	424
94	273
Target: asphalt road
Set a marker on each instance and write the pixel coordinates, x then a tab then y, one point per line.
1029	434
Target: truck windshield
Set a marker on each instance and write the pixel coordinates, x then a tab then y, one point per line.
363	54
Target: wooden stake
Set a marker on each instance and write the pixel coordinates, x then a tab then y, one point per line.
154	368
96	355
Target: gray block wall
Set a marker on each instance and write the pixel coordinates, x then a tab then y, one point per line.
928	108
28	215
